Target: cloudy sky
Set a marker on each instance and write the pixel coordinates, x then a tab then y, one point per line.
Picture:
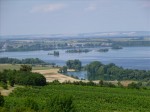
21	17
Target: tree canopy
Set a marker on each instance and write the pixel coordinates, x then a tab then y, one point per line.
23	61
96	70
74	64
22	78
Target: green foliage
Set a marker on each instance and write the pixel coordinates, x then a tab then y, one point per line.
116	47
96	70
60	104
23	61
4	85
30	103
26	68
84	99
135	85
3	77
63	69
103	50
74	64
78	51
101	83
2	101
3	80
55	82
92	69
56	53
22	78
119	84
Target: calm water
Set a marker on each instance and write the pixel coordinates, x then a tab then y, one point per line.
128	57
79	74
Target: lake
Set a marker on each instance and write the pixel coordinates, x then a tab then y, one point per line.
128	57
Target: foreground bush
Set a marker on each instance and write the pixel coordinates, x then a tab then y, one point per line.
1	100
22	78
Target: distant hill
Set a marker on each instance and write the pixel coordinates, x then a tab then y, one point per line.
81	35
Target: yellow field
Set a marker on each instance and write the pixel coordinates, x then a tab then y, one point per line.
52	74
9	66
49	72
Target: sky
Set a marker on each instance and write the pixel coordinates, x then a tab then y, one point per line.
25	17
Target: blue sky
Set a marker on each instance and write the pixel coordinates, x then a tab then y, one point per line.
21	17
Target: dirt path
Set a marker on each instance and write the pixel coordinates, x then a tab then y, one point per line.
6	92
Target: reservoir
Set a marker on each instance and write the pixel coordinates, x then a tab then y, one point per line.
128	57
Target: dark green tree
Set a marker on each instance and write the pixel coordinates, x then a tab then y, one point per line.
74	64
2	101
26	68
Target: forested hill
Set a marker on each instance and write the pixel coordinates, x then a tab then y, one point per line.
6	60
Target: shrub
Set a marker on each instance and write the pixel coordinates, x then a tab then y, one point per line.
2	101
4	85
135	85
55	82
25	68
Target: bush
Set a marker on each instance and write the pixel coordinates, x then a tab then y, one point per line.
26	68
2	101
55	82
135	85
4	85
23	78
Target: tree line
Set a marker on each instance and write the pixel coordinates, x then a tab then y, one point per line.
96	70
22	61
74	64
24	76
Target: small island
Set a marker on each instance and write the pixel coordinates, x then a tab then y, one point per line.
103	50
116	47
55	53
78	51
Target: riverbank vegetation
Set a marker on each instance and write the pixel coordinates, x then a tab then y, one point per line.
96	70
78	51
103	50
74	64
55	53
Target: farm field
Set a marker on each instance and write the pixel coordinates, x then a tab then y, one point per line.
52	74
85	98
17	67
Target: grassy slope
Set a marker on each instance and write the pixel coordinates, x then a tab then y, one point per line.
87	98
17	67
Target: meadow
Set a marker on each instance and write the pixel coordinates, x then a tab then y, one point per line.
17	67
85	98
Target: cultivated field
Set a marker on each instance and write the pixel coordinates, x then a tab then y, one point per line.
52	74
85	98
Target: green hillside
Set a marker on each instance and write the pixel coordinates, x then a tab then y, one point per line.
85	98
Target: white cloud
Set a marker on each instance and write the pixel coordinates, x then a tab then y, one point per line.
91	7
47	8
